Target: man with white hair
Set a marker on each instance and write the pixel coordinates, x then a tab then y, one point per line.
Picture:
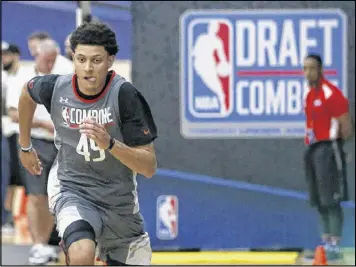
37	38
34	39
40	220
49	60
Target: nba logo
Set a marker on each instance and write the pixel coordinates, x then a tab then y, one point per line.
240	70
167	217
65	116
210	67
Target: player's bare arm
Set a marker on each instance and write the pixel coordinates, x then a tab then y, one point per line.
29	158
346	129
27	108
140	159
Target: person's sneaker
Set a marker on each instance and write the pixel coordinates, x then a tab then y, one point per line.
42	254
8	229
333	253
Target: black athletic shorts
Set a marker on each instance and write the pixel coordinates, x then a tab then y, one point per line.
325	175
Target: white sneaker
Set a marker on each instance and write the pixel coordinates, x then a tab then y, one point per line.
8	229
41	254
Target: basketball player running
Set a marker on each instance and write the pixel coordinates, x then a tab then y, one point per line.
205	65
104	134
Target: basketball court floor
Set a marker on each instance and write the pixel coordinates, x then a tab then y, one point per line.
17	254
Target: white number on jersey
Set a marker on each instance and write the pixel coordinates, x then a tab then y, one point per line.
83	149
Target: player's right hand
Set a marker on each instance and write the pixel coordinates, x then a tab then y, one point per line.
31	162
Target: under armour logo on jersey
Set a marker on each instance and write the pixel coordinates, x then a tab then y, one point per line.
63	100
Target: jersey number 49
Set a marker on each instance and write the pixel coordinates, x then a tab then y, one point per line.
83	149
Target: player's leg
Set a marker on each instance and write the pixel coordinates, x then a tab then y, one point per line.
336	214
310	177
340	181
336	220
79	243
325	225
328	186
124	241
79	225
313	195
39	218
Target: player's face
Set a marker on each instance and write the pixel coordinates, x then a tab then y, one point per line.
45	62
91	64
312	70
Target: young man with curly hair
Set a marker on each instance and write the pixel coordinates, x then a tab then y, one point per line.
104	132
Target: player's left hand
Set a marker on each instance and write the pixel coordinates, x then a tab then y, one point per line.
95	131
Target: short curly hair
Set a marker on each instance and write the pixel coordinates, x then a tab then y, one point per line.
95	33
316	57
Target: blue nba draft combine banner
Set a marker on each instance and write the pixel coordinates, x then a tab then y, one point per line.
242	70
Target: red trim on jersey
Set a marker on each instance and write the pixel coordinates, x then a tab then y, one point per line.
321	108
95	99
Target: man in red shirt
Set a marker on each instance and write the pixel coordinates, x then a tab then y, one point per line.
328	125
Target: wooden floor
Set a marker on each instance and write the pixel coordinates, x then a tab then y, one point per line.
17	254
15	249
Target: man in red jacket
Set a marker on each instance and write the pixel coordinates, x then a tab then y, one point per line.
328	125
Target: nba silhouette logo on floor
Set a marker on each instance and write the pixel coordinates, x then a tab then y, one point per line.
210	68
167	217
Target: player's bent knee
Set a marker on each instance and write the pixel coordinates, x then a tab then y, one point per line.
82	252
79	241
